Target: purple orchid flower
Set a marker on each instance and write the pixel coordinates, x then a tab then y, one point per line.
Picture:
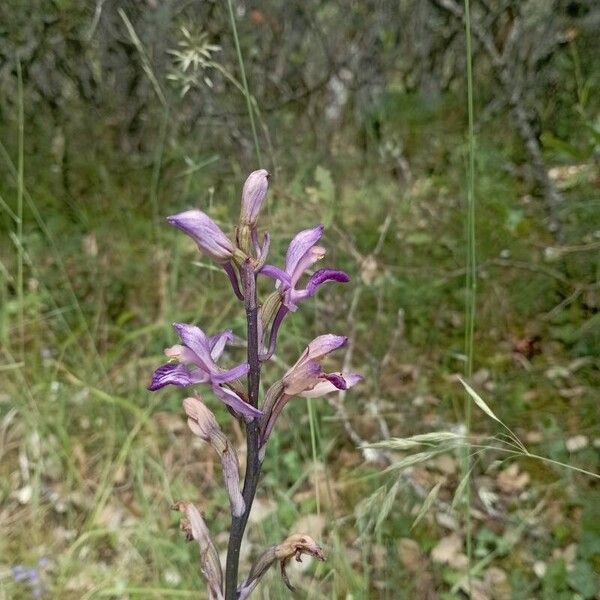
206	233
307	378
302	253
210	240
200	352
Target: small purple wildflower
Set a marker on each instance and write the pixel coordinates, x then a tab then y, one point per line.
195	364
307	378
31	576
302	253
210	240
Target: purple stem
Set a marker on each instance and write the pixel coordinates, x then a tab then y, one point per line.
253	464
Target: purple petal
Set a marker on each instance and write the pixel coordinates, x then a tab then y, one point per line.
323	275
253	195
323	345
325	386
264	251
300	245
232	400
205	232
233	280
170	374
195	339
276	273
310	257
304	375
231	374
283	310
217	342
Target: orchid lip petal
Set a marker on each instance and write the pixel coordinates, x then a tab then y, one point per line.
325	386
322	276
337	380
170	374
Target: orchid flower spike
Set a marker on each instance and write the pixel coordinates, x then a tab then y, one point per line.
306	378
203	423
195	363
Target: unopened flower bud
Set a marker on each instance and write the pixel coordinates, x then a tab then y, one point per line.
203	423
253	195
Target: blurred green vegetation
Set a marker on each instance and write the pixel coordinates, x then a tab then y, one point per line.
361	115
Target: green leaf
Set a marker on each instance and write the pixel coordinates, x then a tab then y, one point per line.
583	579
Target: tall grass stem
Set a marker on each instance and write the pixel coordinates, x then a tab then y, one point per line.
471	276
20	186
244	81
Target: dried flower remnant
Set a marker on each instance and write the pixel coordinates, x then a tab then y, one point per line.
292	547
193	362
194	527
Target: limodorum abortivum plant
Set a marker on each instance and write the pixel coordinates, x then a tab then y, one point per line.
194	364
